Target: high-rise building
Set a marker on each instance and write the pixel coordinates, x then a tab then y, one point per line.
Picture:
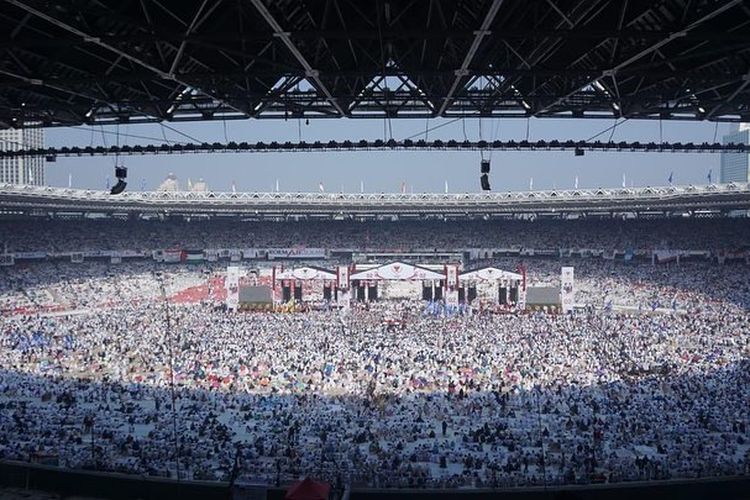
22	170
170	183
735	167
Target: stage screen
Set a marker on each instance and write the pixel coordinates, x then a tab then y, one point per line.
255	295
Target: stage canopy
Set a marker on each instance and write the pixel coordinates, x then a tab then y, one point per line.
489	274
306	273
399	271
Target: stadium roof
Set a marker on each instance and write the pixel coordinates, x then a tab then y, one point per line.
668	200
128	61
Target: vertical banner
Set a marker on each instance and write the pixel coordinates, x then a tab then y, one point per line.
451	285
342	278
567	289
232	284
451	276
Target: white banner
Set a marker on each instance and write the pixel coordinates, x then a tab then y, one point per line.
30	255
132	253
232	285
90	254
666	255
343	277
567	289
211	255
171	255
451	273
250	253
296	253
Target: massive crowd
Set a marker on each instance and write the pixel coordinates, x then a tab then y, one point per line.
607	234
114	377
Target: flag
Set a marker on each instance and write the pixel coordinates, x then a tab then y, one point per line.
234	187
190	184
361	186
277	185
623	181
710	171
70	180
576	184
321	188
446	187
531	184
671	178
403	187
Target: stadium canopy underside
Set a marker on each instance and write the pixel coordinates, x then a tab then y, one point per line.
127	61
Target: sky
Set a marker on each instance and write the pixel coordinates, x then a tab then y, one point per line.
421	171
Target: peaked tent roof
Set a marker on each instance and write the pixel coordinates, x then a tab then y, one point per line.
397	271
306	273
308	489
489	274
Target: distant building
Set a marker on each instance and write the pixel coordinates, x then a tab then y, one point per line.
22	170
736	166
170	183
200	186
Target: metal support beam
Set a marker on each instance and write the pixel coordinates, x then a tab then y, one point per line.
97	41
287	40
478	37
643	53
731	98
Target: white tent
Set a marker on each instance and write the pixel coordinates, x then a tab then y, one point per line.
306	273
493	285
396	280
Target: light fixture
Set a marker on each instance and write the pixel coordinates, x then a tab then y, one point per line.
121	173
